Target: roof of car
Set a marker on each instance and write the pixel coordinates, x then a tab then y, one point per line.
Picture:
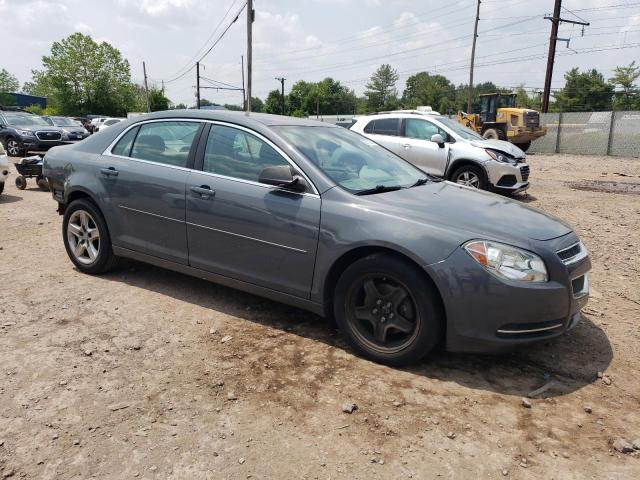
243	118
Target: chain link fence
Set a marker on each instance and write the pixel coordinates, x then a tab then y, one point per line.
590	133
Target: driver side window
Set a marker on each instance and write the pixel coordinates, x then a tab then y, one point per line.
422	129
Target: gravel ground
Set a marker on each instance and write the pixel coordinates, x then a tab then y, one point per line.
144	373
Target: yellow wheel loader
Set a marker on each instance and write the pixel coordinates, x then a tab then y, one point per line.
500	119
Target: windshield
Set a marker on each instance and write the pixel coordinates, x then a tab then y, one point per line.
352	161
21	120
460	129
506	101
65	122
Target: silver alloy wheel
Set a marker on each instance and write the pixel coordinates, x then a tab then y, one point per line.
469	179
12	147
83	237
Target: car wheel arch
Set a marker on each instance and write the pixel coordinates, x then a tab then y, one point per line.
351	256
461	163
78	193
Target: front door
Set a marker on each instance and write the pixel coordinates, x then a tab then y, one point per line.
420	150
144	178
240	228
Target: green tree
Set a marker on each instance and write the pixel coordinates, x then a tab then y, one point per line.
625	77
584	92
433	90
81	76
381	90
273	103
8	83
257	105
157	100
236	108
524	100
180	106
462	92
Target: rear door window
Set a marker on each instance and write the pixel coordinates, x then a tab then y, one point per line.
168	143
123	147
384	126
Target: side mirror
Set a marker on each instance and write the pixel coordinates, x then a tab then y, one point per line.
281	176
437	138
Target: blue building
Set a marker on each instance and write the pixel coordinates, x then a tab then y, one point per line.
23	100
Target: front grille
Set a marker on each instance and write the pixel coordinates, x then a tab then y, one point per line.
524	171
48	136
531	119
568	253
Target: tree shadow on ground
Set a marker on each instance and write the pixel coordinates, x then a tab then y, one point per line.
570	362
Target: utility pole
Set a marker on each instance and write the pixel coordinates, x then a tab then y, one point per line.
198	85
244	98
146	87
473	58
281	80
553	38
250	19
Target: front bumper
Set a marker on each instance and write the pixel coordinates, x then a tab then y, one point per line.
488	315
508	177
33	144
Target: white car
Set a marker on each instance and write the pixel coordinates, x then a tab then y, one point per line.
442	147
4	167
108	123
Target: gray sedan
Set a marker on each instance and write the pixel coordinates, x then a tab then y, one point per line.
321	218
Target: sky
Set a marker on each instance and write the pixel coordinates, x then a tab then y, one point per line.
313	39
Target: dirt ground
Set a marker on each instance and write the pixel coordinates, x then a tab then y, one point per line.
145	373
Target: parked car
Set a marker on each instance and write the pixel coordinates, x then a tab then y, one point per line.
4	167
97	121
320	217
86	123
108	123
73	128
22	133
443	147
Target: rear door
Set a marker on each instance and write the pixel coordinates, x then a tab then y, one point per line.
144	178
240	228
386	132
420	150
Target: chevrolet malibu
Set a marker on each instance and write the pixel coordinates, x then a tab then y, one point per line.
322	218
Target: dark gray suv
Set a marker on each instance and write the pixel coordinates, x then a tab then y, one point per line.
21	133
325	219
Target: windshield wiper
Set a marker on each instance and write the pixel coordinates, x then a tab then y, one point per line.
379	189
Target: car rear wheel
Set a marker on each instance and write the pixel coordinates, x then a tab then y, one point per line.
86	238
387	310
1	188
470	176
14	147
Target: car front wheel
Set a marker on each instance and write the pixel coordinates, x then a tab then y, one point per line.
86	237
470	176
387	310
14	148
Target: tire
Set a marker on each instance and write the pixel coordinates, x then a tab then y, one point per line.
43	184
397	321
523	146
494	134
470	176
1	188
21	182
91	253
14	147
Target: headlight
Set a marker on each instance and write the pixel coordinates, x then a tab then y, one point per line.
508	262
499	156
26	133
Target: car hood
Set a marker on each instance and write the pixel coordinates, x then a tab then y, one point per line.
475	213
499	145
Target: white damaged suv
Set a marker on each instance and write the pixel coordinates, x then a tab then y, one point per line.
442	147
4	167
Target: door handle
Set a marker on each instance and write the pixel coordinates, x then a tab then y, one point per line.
406	146
203	191
109	172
